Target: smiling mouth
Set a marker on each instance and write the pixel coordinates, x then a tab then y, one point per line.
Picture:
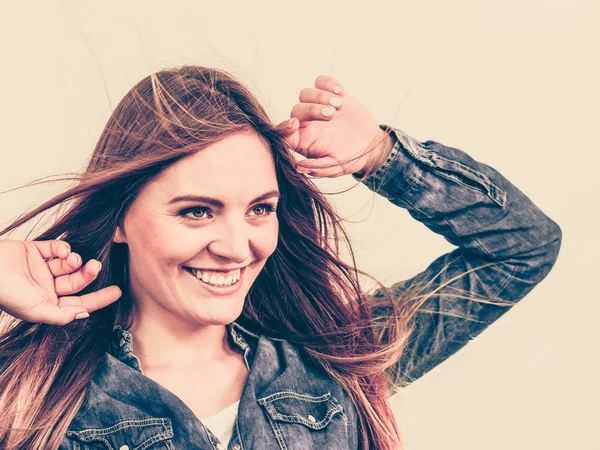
216	279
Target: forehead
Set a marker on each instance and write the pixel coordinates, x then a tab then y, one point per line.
240	163
236	168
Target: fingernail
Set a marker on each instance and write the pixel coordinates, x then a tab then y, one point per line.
78	258
99	265
327	111
335	101
82	315
291	123
337	89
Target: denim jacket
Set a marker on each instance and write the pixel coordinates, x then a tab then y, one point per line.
289	403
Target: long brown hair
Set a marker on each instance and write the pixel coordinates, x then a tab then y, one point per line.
45	369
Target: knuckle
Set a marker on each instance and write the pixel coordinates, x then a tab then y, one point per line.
304	93
94	300
295	111
72	284
321	80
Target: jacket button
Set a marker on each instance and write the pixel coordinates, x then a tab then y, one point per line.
236	447
311	418
124	447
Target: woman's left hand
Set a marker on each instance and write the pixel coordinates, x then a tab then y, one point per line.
336	133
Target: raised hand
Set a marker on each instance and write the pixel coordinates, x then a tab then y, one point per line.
38	280
334	132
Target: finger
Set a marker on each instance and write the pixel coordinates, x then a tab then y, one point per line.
289	130
75	282
325	167
289	126
52	249
313	95
51	314
293	140
92	301
330	84
305	112
65	266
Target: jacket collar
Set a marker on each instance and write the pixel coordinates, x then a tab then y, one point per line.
121	343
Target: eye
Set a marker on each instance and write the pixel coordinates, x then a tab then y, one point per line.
196	213
263	209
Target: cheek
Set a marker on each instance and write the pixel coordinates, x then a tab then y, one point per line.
265	242
159	243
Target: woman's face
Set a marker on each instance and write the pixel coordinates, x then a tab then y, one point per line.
200	233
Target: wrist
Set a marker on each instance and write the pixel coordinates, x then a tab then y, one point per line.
385	143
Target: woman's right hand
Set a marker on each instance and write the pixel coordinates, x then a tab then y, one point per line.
38	280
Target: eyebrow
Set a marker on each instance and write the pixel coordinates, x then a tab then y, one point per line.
218	203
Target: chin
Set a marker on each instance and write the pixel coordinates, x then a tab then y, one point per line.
216	314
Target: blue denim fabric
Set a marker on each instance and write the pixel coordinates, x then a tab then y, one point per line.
289	403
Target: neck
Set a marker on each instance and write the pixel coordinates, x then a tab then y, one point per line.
160	344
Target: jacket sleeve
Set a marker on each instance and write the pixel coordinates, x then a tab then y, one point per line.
495	228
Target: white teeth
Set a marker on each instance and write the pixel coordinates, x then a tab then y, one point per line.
217	280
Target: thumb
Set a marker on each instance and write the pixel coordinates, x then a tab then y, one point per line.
289	129
61	315
289	126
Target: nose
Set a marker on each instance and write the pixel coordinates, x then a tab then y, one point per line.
232	242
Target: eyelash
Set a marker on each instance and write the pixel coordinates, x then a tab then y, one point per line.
269	208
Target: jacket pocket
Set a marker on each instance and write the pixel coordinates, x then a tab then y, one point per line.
301	421
462	174
155	434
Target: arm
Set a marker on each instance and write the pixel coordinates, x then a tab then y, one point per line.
496	228
489	220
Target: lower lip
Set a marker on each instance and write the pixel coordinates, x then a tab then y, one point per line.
220	290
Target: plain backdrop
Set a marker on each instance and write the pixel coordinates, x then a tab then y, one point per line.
514	83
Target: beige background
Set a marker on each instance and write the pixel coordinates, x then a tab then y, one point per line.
513	83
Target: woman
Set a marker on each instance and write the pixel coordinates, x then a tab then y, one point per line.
208	265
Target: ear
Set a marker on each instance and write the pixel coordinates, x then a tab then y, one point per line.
119	237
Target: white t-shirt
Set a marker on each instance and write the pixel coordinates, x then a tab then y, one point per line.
223	423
